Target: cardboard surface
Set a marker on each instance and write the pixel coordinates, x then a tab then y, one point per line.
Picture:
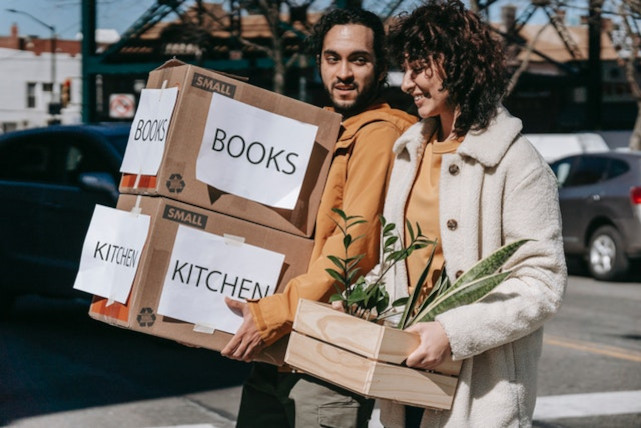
140	311
366	358
177	172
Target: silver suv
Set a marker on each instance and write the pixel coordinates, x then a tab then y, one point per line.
600	197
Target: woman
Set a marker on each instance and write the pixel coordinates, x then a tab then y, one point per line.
470	179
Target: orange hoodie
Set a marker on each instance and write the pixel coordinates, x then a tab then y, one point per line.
356	184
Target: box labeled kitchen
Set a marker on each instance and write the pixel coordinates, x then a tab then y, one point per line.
366	358
191	260
216	142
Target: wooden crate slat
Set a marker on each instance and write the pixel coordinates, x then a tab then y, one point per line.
327	362
348	332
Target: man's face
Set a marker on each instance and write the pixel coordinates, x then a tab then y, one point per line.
347	67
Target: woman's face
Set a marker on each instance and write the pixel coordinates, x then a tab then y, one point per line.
423	82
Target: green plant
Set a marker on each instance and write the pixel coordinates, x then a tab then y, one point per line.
367	298
471	286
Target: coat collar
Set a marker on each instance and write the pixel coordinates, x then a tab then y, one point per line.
487	146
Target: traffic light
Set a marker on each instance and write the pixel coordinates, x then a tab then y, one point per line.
65	94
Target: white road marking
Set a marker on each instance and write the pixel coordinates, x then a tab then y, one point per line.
572	406
583	405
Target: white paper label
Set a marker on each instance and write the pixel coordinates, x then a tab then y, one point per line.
111	253
204	268
148	134
253	153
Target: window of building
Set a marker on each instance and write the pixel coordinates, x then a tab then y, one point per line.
46	87
9	126
31	95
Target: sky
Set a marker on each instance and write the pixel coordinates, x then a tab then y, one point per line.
65	15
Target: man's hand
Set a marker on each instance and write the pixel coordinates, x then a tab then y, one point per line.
247	342
434	347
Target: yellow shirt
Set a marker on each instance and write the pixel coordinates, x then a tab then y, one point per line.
422	208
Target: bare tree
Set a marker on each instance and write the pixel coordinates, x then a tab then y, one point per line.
280	30
628	44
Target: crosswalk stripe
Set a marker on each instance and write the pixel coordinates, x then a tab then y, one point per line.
583	405
573	406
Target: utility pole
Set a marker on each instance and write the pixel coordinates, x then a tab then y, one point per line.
594	98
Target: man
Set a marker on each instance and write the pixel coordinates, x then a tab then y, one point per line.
350	52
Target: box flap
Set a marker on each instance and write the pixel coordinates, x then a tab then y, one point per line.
177	63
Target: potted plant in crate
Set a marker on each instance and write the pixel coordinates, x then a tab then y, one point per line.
348	349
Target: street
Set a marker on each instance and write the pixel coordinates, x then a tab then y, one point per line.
60	368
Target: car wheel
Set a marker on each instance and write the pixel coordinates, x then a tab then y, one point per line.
606	259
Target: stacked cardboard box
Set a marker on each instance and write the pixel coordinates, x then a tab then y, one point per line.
176	176
175	198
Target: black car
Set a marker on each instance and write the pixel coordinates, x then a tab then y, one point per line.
600	197
50	180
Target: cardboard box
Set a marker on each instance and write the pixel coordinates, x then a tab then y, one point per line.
365	357
140	313
176	176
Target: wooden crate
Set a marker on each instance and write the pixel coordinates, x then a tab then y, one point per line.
366	358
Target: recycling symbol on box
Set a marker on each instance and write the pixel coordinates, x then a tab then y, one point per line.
146	317
175	183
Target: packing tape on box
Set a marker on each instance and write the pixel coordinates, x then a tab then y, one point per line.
233	240
201	328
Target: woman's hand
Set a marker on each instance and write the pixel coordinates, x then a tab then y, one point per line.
247	341
434	347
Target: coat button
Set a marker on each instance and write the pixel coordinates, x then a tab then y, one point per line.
458	274
454	169
452	224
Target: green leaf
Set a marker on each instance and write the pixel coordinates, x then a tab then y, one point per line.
391	241
354	223
400	302
336	298
357	295
490	264
440	287
410	307
341	213
352	274
464	295
337	276
410	230
388	228
347	240
382	303
338	262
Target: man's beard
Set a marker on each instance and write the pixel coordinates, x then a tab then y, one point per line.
362	101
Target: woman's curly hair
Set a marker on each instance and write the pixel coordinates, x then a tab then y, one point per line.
446	34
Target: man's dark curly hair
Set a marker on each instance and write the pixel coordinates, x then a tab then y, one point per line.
314	43
446	34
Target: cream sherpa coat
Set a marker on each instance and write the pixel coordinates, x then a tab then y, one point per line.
494	190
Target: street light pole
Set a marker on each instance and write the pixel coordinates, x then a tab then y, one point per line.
52	44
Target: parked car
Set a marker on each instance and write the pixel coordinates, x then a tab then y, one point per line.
556	146
50	180
600	198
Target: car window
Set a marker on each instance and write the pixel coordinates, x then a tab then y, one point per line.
562	169
57	160
26	161
616	168
587	170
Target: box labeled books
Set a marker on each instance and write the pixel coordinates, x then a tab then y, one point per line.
366	358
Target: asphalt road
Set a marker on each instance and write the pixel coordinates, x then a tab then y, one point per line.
60	368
